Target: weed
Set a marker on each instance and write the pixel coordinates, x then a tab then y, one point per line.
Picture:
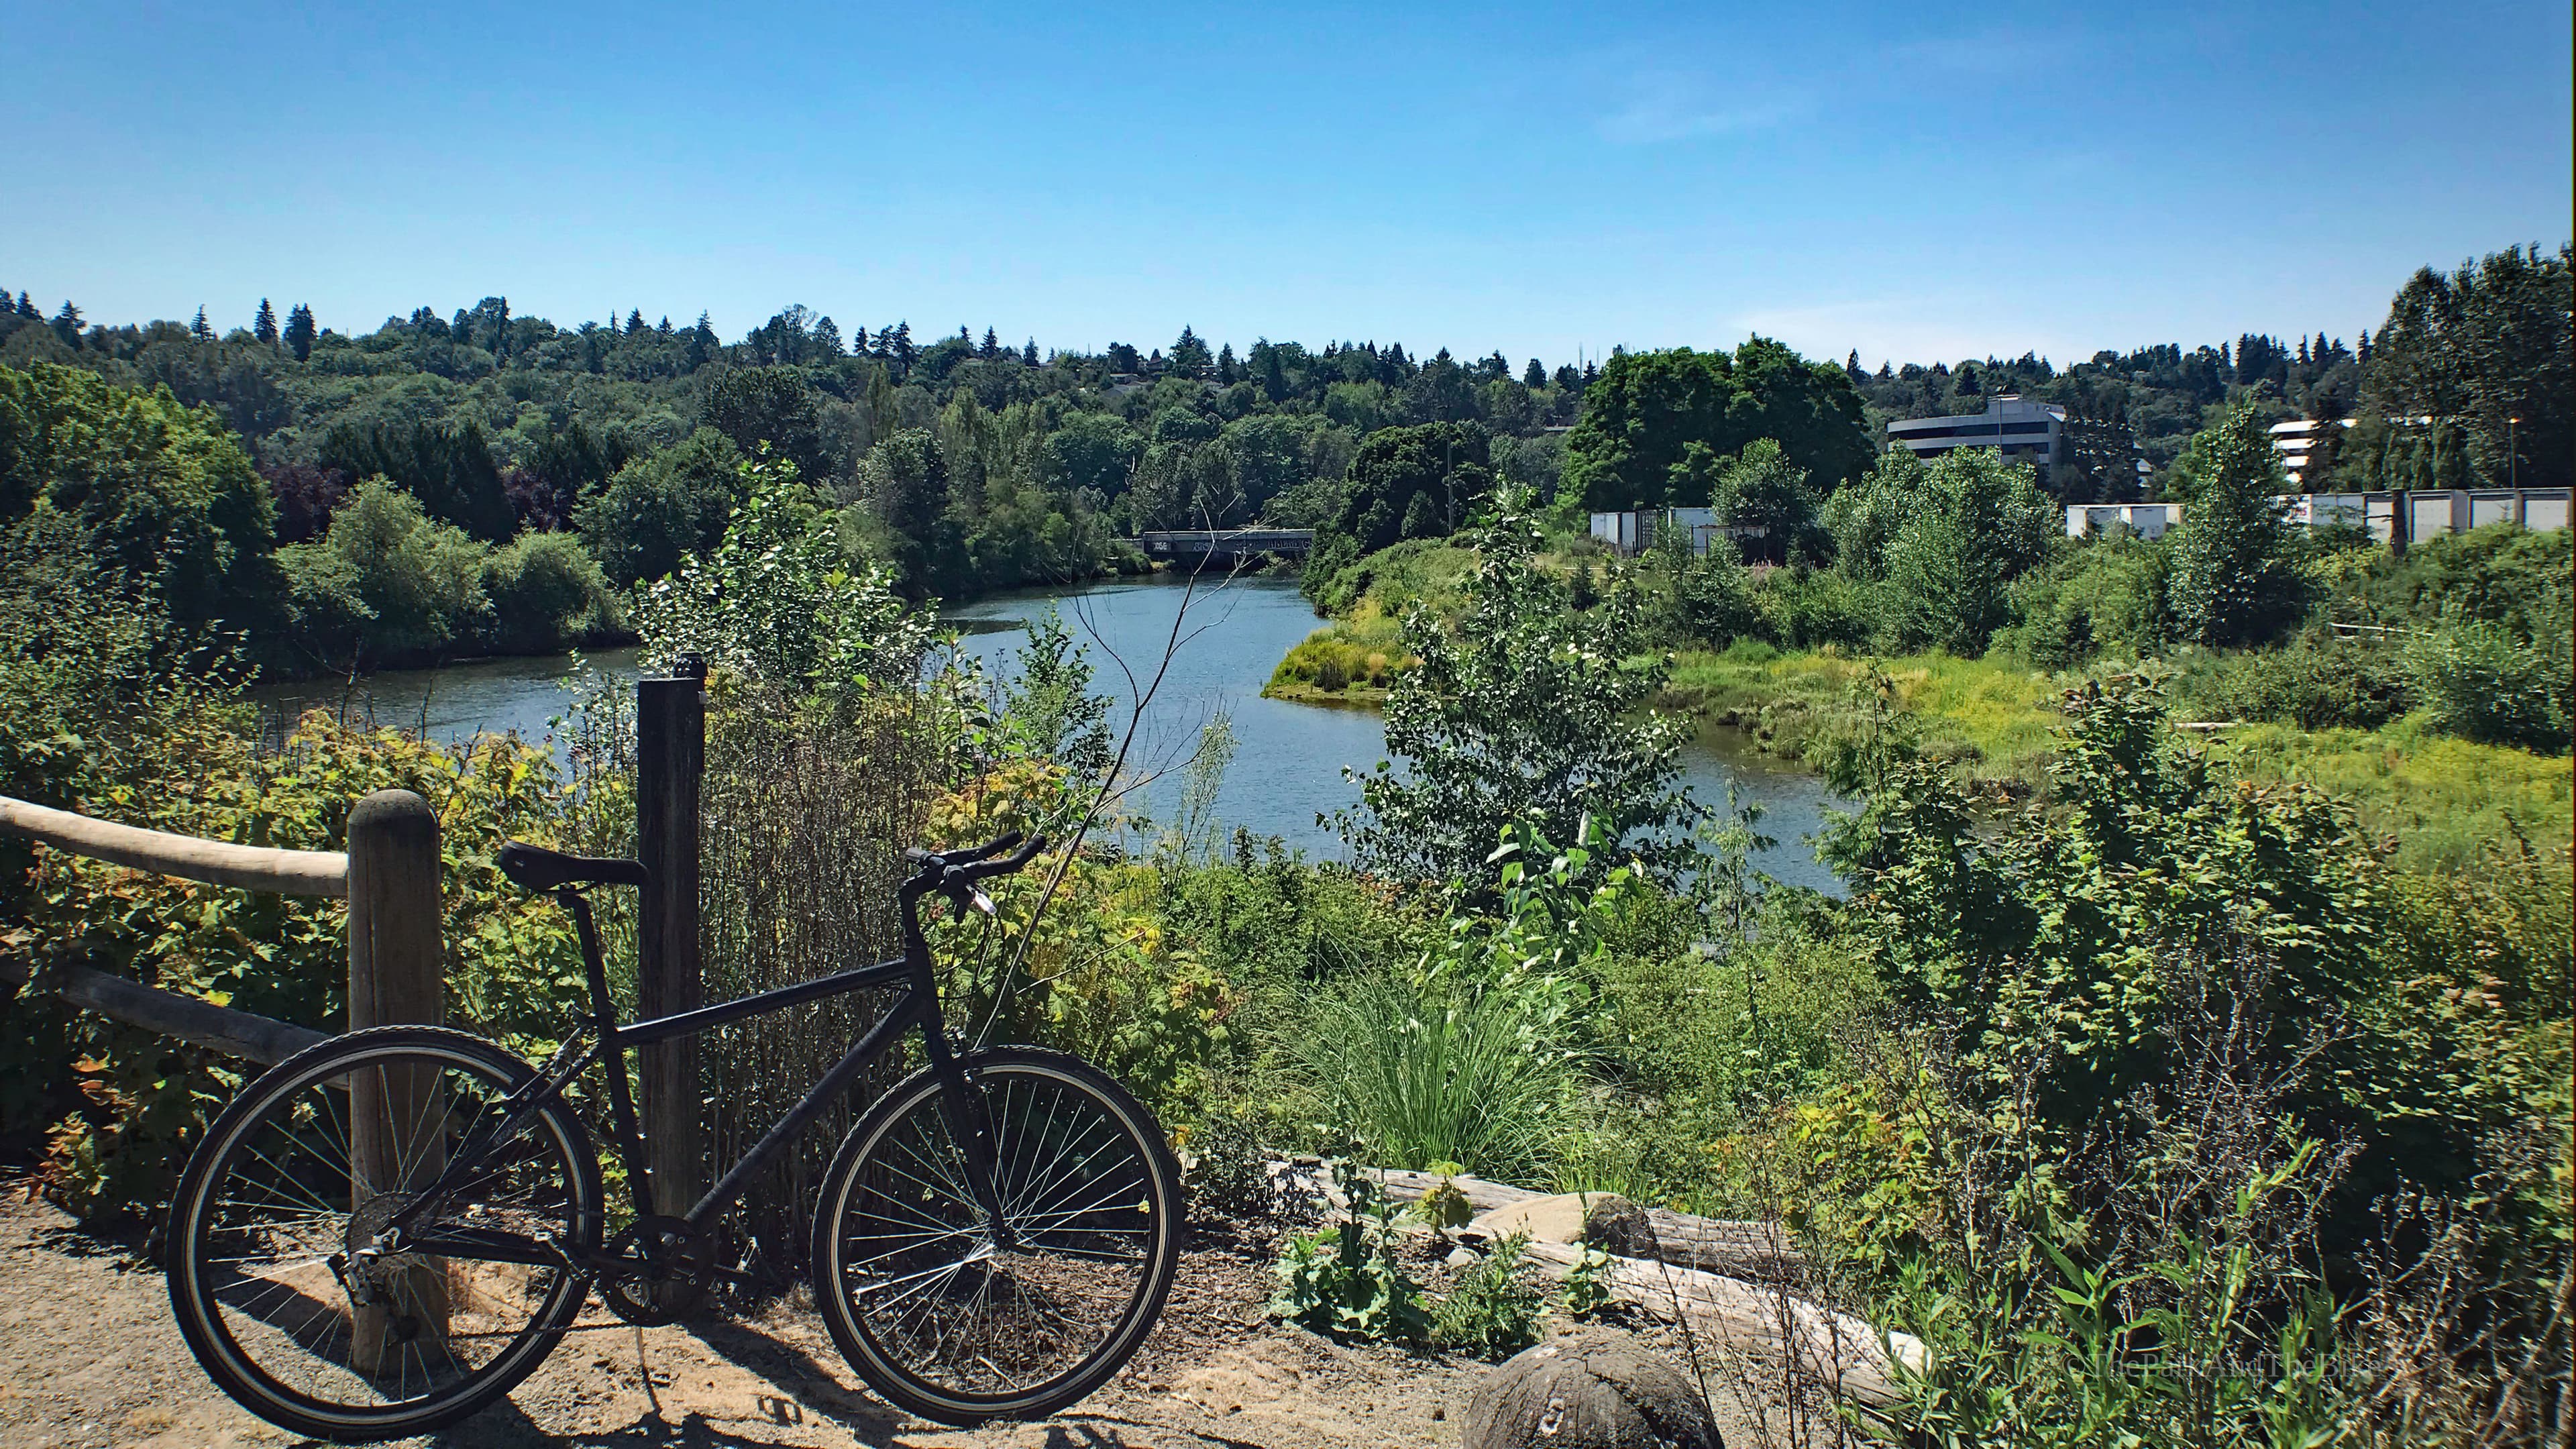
1493	1310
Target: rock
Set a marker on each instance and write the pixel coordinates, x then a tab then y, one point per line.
1615	1225
1462	1258
1593	1390
1603	1219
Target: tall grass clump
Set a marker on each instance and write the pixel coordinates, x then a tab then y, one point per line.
1426	1071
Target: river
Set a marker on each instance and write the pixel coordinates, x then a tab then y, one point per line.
1289	758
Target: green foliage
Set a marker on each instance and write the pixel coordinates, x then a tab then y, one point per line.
770	408
2477	681
161	492
1760	488
137	1100
2052	945
1347	1282
780	603
1863	519
2316	681
2231	582
2101	596
1229	1172
547	594
2062	1354
1471	1057
2488	346
449	469
1521	715
658	510
1646	410
387	582
1587	1287
1409	483
1047	710
1492	1311
1972	526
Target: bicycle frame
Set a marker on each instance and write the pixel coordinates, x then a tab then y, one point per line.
919	1005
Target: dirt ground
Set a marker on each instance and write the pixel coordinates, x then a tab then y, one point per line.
89	1357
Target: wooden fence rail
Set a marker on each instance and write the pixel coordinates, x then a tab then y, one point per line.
390	874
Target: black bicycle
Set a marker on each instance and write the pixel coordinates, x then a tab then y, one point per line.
389	1231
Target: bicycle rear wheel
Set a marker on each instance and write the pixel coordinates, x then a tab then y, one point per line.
280	1276
949	1318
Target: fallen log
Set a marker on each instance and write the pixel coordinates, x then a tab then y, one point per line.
1738	1249
1766	1324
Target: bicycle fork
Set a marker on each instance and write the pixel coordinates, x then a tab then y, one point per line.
970	1127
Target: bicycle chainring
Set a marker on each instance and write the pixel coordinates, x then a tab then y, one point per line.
657	1270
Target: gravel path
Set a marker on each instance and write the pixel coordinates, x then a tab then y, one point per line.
90	1357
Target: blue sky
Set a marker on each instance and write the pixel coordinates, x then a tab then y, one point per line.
1910	181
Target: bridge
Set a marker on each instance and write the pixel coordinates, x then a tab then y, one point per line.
1224	546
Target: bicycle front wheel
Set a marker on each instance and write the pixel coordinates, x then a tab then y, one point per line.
303	1300
959	1319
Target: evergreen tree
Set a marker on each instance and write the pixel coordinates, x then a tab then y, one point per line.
27	307
991	346
67	324
201	329
1971	525
2231	583
300	332
1029	353
1225	369
634	320
1534	376
1190	357
264	327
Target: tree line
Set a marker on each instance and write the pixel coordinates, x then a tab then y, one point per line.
970	464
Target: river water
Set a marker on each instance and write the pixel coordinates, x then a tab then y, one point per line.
1286	777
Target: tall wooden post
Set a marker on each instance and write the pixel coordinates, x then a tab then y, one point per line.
397	975
670	749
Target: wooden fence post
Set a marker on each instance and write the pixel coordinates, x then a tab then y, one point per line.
670	750
397	975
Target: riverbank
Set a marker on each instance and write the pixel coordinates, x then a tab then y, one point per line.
2443	801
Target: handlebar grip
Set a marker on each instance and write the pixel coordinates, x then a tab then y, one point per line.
967	855
1005	866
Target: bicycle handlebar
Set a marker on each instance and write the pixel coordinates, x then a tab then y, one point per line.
955	870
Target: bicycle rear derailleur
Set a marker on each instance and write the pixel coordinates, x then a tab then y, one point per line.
657	1270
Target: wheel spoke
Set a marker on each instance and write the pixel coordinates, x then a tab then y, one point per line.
281	1251
922	1279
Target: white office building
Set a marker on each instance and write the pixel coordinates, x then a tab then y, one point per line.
2023	431
2296	439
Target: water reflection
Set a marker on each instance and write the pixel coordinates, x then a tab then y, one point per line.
1286	778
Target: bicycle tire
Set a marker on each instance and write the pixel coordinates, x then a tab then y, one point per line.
1131	1158
246	1132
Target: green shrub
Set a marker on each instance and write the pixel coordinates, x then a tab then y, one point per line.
1797	607
2098	596
1492	1310
386	583
546	595
2316	682
2476	680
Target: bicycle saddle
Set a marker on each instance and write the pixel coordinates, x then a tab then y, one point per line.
533	867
